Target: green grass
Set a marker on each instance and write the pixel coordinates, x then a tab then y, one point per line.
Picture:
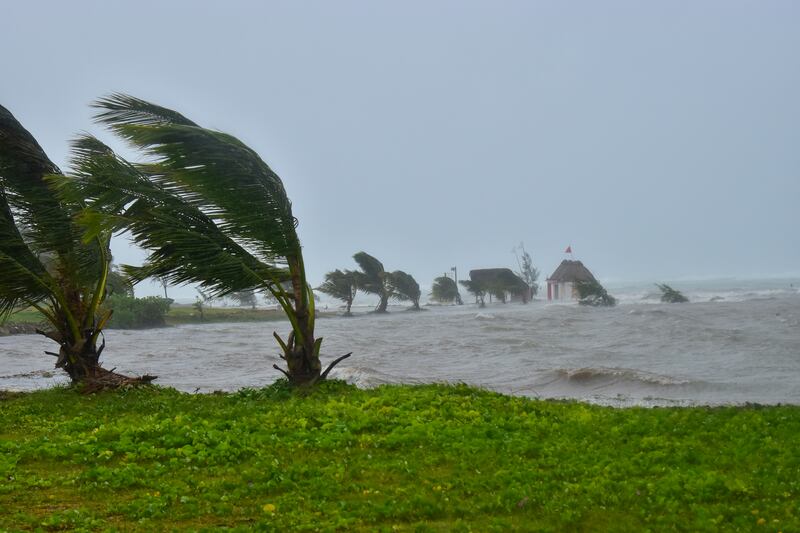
187	314
426	458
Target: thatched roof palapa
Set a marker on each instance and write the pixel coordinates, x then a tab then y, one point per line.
571	271
502	275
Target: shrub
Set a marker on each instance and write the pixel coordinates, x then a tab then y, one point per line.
133	313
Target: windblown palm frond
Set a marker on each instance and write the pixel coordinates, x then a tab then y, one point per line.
185	243
216	173
23	167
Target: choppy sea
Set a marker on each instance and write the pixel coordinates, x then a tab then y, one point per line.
737	341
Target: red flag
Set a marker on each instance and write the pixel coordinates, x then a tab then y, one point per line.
568	250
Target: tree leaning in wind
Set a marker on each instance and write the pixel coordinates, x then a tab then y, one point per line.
372	279
208	210
404	287
342	286
45	264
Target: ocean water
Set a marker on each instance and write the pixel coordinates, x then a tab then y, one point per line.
736	342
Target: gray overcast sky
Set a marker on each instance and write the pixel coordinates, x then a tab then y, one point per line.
660	139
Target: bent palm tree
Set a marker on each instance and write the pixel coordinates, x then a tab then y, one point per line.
43	261
372	279
444	290
342	286
209	211
404	287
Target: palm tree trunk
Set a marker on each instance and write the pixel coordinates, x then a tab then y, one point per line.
300	353
383	304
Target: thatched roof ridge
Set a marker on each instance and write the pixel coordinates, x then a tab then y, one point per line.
571	271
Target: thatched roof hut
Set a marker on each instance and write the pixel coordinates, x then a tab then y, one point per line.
561	283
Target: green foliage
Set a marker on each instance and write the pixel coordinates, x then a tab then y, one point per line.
670	295
137	313
404	287
428	458
444	290
340	285
594	294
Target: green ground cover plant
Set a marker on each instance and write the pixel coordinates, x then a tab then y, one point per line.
395	458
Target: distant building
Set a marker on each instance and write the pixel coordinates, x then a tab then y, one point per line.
562	284
502	283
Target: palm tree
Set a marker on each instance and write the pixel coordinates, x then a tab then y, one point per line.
209	211
45	264
444	290
342	286
372	279
405	288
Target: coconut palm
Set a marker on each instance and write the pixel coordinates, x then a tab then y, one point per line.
372	279
405	288
444	290
45	264
209	211
342	286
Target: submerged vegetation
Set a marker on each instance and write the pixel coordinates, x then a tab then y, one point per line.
594	294
396	458
670	295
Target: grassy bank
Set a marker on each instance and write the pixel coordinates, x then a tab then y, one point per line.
430	458
185	314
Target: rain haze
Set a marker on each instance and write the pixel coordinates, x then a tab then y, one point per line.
658	139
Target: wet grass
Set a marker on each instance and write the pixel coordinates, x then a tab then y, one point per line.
424	458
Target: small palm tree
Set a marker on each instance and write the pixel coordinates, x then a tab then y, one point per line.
444	290
405	288
372	279
209	211
45	264
342	286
